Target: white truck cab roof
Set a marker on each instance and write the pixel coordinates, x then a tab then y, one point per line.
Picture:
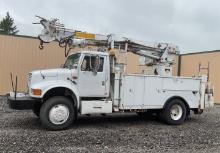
91	52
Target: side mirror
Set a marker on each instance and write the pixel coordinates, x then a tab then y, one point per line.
61	65
74	66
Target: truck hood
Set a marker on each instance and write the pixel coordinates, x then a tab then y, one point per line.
51	74
40	79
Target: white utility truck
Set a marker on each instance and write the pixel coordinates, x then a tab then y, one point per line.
94	82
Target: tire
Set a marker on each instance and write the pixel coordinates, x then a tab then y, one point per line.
179	112
36	110
57	113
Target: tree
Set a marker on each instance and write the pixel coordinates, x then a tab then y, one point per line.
7	25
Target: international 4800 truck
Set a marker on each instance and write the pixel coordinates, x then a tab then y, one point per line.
94	82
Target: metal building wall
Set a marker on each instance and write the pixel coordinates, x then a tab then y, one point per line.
20	55
190	67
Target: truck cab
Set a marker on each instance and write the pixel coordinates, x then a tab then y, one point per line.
84	76
82	73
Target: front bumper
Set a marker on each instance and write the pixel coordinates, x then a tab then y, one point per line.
22	103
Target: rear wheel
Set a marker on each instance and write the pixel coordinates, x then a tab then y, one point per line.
57	113
175	112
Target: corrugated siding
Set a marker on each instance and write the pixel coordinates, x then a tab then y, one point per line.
190	67
21	55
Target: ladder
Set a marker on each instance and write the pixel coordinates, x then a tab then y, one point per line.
204	68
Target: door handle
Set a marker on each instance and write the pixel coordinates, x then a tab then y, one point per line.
106	78
103	83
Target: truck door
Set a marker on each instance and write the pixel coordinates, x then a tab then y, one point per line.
90	83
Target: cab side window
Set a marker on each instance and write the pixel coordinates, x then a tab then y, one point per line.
89	62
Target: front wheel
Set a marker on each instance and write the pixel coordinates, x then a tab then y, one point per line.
57	113
175	112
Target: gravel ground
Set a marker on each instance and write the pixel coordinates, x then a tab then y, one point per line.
20	131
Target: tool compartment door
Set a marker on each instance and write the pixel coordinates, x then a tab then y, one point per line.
132	92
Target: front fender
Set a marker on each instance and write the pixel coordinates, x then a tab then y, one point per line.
47	85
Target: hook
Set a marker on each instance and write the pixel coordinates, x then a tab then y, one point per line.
41	46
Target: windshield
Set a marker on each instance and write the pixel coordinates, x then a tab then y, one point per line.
72	61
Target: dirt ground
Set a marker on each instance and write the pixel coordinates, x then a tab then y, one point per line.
21	131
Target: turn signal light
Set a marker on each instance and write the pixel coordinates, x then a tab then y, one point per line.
75	77
36	92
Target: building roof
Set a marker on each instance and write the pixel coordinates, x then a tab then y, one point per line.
201	52
23	36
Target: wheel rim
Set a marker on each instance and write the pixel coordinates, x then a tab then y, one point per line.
176	112
59	114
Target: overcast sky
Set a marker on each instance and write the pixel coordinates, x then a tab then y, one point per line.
193	25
